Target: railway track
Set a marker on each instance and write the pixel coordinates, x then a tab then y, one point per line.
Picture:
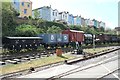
100	78
21	72
78	69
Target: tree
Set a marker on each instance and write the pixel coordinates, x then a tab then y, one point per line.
84	28
26	31
110	31
8	19
54	29
36	14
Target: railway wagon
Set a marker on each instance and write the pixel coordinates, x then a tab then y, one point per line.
53	40
113	39
19	43
103	38
74	36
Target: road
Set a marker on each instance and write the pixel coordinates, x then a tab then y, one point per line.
100	66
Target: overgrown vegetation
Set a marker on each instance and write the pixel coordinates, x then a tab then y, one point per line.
26	30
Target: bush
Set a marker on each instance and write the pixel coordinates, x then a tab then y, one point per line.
26	30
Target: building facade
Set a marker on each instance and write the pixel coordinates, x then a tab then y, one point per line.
47	13
77	20
102	24
89	22
63	16
95	23
16	5
70	19
55	15
24	7
117	30
83	22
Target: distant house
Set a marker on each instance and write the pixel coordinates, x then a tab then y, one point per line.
24	7
89	22
77	20
101	24
45	13
95	23
63	16
70	19
117	30
83	22
55	15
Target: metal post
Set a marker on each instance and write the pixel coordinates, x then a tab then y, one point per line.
94	42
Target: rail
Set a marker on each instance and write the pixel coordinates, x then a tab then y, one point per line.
100	78
51	65
78	69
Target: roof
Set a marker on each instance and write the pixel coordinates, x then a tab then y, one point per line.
41	8
24	37
88	35
76	31
25	1
55	10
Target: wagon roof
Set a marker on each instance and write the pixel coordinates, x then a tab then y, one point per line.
76	31
24	37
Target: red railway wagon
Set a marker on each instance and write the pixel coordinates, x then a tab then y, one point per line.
74	35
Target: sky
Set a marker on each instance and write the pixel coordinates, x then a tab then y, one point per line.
101	10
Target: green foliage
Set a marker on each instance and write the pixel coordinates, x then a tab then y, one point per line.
8	19
36	14
110	31
54	29
26	30
75	27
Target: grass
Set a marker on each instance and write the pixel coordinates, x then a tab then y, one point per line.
34	63
94	50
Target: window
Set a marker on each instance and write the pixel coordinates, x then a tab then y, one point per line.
25	11
22	3
56	13
14	2
28	5
53	13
